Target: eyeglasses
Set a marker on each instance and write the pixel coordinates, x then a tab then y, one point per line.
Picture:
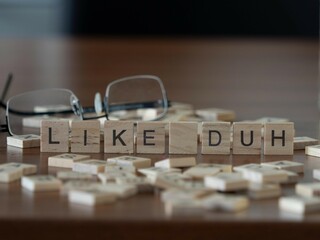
141	97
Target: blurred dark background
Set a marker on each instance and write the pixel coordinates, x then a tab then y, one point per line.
256	18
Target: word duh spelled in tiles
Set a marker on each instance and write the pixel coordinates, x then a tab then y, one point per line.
119	137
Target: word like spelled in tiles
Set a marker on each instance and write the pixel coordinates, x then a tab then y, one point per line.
119	137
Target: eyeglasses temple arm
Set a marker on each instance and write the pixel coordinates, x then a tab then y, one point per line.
6	87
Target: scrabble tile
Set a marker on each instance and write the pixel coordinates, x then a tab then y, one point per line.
67	176
176	162
265	175
119	168
292	177
118	137
10	174
225	203
264	191
137	162
178	194
226	182
249	166
313	150
66	160
300	143
78	185
216	114
222	167
151	137
299	204
215	138
176	181
183	207
108	177
286	165
24	141
316	174
92	166
201	170
27	169
120	190
91	197
246	138
142	184
40	183
278	138
54	136
154	171
308	189
85	136
271	119
183	138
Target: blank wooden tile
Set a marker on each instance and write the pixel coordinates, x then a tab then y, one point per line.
24	141
154	171
264	191
137	162
225	203
27	169
183	207
91	197
216	114
66	160
113	167
301	142
107	177
278	138
151	137
39	183
313	150
54	136
177	162
215	138
176	181
118	137
222	167
265	175
308	189
247	138
83	184
183	138
201	170
67	176
286	165
10	174
299	204
85	136
292	177
120	190
92	166
226	182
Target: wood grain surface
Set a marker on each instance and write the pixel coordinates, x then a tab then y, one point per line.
253	77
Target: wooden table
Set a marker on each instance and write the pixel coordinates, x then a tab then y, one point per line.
254	77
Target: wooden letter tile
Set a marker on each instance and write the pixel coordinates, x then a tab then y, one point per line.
278	138
183	137
137	162
41	183
54	136
66	160
85	136
151	137
215	138
92	166
9	174
247	138
118	137
24	141
301	142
